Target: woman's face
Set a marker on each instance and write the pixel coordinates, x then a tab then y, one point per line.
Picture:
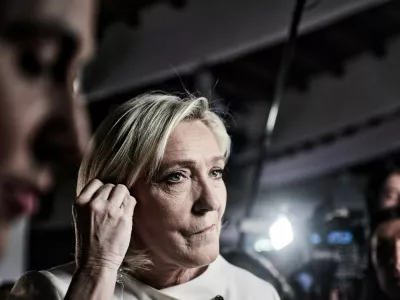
178	215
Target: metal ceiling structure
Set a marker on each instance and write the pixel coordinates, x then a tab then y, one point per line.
245	81
203	34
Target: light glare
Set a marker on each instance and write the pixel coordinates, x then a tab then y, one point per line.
281	233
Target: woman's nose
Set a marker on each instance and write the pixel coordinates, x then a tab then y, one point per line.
207	200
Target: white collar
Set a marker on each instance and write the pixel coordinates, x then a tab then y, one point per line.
206	286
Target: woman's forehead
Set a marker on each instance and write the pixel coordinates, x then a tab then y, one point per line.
189	140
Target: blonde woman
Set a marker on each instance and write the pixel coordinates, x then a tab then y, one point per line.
148	215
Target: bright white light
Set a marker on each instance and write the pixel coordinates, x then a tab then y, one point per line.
281	233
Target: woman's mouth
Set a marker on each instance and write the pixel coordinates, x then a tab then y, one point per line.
206	230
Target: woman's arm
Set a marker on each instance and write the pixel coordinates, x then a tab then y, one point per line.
92	284
103	224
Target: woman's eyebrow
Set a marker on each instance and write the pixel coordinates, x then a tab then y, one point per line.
189	162
178	162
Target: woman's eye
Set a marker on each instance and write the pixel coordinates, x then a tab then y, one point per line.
175	177
217	173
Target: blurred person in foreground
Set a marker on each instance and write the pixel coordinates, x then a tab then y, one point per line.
385	254
43	47
148	214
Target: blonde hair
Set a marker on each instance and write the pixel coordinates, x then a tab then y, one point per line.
131	141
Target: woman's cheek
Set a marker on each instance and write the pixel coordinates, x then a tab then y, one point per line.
174	201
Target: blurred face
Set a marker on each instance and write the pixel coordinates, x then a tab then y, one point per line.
390	195
386	257
178	215
43	46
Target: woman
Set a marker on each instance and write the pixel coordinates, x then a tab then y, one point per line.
165	156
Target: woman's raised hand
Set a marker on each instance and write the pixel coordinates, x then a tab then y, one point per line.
103	224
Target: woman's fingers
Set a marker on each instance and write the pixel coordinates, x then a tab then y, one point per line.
103	193
88	191
117	196
129	206
99	200
103	223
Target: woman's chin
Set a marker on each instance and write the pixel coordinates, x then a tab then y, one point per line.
203	256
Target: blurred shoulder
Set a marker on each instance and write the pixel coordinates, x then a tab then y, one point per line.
61	273
252	285
51	284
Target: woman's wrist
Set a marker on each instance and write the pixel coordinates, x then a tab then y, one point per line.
92	281
94	264
97	270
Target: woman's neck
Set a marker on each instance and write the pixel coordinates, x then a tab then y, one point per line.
162	276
